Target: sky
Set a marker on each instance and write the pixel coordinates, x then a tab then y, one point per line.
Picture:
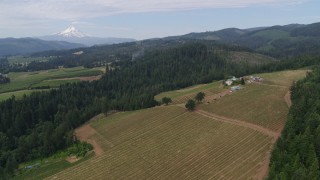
142	19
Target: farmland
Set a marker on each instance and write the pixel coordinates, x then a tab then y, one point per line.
182	95
27	60
170	143
230	137
31	81
259	103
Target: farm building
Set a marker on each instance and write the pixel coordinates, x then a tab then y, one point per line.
235	88
256	79
230	81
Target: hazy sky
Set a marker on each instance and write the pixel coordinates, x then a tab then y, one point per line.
142	19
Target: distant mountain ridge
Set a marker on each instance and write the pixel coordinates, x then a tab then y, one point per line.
276	41
71	34
24	46
292	39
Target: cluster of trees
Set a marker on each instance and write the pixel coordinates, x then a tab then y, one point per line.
191	104
4	79
297	152
4	65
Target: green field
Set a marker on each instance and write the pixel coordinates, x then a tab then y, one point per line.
28	81
27	60
46	167
170	143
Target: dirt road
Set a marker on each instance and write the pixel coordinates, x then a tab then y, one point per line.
85	133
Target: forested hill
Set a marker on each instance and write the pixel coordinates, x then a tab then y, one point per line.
27	46
42	123
297	153
280	42
102	55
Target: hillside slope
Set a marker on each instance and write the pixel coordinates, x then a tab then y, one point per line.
278	41
23	46
169	142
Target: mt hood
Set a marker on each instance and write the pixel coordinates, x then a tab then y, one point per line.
71	34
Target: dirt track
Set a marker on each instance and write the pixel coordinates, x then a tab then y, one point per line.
84	133
84	78
239	123
287	98
264	169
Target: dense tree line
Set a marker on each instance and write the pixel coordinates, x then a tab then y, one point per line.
297	152
98	56
4	79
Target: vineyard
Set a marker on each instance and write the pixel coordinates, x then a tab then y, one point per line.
260	103
183	95
227	138
170	143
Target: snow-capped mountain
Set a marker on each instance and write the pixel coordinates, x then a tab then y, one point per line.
71	34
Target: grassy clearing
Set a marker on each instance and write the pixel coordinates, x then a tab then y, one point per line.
171	143
273	34
54	83
47	167
262	104
183	95
283	78
17	94
28	80
252	58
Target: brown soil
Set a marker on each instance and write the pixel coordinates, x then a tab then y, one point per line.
287	98
190	88
217	96
85	133
85	78
264	169
72	159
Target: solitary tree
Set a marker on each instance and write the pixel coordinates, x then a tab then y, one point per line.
190	105
242	81
166	100
105	106
200	96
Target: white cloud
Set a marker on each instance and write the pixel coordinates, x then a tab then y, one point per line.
73	10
